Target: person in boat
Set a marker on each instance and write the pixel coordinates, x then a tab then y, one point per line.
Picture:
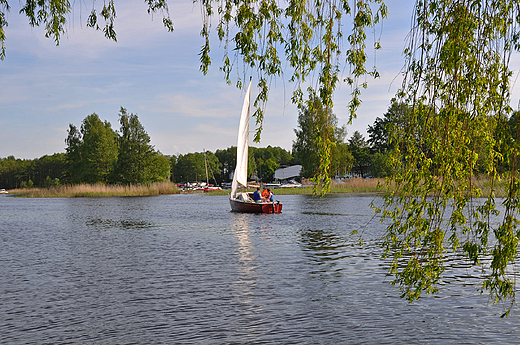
257	197
270	196
265	194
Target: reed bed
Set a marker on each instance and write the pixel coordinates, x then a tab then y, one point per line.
97	190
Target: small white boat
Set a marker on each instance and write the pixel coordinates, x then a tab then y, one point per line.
291	184
3	191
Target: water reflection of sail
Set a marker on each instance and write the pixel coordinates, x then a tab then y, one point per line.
246	279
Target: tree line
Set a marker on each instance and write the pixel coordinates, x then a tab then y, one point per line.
96	153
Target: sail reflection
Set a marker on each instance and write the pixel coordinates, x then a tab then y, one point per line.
247	278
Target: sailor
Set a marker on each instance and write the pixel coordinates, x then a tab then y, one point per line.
270	196
265	194
256	195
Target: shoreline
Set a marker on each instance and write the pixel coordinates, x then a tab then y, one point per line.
351	186
356	185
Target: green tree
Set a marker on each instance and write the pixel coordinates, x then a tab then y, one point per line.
53	15
91	151
159	168
26	173
54	166
279	155
312	121
262	161
379	139
381	164
172	160
137	161
214	167
378	133
99	149
267	169
191	167
360	150
342	159
73	155
228	159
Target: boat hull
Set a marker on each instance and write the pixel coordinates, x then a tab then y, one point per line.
251	207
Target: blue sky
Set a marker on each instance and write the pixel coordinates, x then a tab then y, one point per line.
155	74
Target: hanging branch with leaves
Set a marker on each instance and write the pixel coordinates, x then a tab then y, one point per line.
456	88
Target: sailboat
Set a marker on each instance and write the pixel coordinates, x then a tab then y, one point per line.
242	201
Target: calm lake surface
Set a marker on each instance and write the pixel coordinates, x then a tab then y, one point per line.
183	269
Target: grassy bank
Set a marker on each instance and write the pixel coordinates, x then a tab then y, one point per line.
354	185
378	185
96	190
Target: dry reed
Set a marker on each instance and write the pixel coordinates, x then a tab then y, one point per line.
97	190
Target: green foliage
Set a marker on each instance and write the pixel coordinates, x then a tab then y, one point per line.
137	161
49	182
135	151
317	128
53	16
257	158
4	7
309	36
381	163
28	184
97	154
264	161
191	167
98	151
279	155
456	87
91	151
158	168
26	173
342	159
267	169
379	139
228	159
361	153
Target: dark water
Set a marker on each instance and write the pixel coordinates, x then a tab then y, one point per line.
183	269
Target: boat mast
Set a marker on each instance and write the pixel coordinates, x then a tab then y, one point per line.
206	165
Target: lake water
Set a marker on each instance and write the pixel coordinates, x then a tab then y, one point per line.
183	269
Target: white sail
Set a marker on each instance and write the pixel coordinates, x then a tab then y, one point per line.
240	175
